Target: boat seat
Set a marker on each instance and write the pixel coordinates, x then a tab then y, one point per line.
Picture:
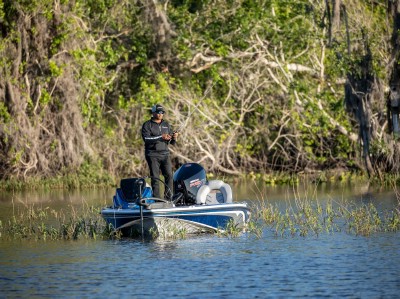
134	188
214	192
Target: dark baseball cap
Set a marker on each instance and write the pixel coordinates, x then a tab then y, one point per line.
157	108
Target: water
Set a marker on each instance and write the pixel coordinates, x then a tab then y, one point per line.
207	266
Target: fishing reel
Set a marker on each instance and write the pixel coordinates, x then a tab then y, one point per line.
138	188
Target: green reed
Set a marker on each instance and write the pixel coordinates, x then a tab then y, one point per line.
308	217
254	228
303	218
40	223
231	229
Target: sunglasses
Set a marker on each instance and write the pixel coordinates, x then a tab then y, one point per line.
160	112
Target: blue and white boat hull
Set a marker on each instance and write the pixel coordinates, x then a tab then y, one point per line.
193	219
197	205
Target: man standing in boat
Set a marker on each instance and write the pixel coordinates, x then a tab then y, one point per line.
157	135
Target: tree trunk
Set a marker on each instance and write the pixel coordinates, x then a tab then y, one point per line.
393	101
359	91
335	16
162	31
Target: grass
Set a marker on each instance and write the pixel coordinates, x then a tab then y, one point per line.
231	230
37	223
310	218
304	220
304	217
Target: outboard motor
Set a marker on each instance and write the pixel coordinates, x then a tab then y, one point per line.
187	181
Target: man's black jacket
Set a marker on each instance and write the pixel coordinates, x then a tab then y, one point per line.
152	135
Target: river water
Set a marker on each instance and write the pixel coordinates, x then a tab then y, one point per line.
335	264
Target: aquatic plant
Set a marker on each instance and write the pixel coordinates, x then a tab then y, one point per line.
306	217
48	224
314	219
254	228
392	221
231	229
392	218
363	220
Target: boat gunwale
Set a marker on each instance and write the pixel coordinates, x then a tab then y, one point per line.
242	207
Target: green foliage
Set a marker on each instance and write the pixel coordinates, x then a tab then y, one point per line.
55	70
93	79
57	41
262	114
98	10
91	170
2	13
157	92
4	114
45	98
110	55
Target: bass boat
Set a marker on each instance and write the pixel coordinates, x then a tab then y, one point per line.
197	206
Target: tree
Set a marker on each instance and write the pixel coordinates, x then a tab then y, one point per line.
394	67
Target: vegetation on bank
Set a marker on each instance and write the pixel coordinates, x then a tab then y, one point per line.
270	86
101	179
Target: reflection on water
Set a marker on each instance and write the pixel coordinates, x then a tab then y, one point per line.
13	202
242	190
208	266
337	265
101	195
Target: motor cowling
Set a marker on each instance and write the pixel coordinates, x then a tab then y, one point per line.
187	181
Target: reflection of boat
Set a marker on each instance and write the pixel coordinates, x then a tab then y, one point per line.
198	206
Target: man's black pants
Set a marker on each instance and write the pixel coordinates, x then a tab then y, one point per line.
163	163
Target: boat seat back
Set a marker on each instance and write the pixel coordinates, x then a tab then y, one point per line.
134	188
214	192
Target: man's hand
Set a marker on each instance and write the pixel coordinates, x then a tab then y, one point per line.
166	137
175	135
